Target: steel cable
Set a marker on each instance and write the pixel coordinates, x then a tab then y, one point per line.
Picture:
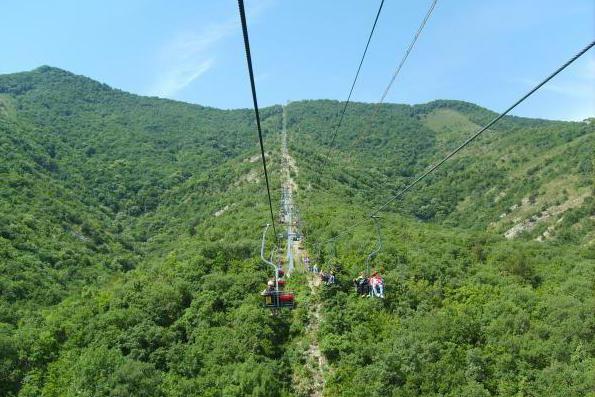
257	113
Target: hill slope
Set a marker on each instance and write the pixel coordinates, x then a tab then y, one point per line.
523	170
109	237
129	235
468	312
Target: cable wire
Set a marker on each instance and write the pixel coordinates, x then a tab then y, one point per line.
411	45
257	113
404	59
468	141
397	70
361	62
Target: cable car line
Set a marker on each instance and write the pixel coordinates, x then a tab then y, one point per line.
273	297
361	62
466	142
403	60
397	70
378	246
256	112
411	45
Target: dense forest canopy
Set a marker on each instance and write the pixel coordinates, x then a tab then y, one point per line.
129	239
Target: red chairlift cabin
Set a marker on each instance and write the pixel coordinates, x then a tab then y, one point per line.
273	297
279	299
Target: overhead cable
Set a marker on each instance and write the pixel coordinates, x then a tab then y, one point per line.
467	141
361	62
256	111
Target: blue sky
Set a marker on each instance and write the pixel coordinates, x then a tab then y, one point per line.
488	52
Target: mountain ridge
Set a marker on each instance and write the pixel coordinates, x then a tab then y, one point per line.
45	70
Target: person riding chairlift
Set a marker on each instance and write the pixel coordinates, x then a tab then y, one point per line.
377	285
270	289
361	285
307	263
328	278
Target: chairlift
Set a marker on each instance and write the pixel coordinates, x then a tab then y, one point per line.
273	297
366	285
279	300
328	278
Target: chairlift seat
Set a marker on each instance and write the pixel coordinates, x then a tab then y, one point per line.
276	300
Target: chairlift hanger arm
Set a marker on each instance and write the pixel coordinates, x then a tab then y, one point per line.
270	263
376	218
378	243
262	247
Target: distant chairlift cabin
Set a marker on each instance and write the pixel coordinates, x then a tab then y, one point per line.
274	296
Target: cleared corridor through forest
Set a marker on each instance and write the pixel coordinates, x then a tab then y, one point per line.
296	254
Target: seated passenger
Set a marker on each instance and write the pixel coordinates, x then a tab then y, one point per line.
270	289
361	284
377	284
331	278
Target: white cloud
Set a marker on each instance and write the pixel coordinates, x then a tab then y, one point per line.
187	57
179	77
261	77
576	90
581	85
577	84
190	55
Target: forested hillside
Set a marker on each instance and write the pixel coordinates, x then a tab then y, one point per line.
468	312
523	172
112	253
130	231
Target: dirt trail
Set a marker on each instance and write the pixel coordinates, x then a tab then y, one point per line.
315	360
315	357
289	212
